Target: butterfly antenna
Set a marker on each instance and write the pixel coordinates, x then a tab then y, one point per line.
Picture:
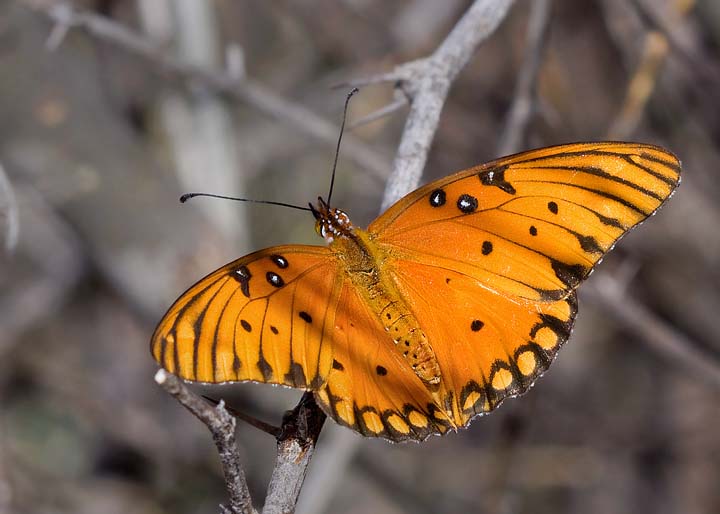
184	198
337	149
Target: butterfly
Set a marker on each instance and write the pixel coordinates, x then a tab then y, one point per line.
455	298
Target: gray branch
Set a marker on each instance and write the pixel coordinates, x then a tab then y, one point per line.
427	82
226	82
521	109
8	213
222	426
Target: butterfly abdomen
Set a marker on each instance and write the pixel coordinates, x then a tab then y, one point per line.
362	261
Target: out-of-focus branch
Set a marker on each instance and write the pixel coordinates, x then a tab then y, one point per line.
641	86
609	295
222	426
657	45
243	89
427	82
522	106
8	213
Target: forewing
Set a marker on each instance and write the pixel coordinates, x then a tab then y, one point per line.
267	317
531	225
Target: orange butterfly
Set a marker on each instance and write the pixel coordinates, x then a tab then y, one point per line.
457	297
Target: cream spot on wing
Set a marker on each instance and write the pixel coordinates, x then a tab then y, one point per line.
372	422
417	419
546	338
471	400
398	424
526	363
345	412
502	379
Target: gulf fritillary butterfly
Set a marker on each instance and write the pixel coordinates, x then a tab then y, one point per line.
455	298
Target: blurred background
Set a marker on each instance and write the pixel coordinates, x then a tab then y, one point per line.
98	138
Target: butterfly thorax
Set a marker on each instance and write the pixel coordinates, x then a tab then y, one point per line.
362	261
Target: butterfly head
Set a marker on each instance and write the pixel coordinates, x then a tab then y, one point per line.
331	223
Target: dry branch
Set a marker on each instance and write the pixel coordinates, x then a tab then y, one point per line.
8	213
521	108
222	426
227	82
427	82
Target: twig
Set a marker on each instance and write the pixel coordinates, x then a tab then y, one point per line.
428	85
521	109
397	104
222	81
222	426
296	445
250	420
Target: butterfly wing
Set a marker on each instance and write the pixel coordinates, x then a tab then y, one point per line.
267	317
489	346
370	388
534	224
488	259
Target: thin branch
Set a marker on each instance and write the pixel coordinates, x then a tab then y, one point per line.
521	109
296	445
387	110
246	90
250	420
222	426
428	85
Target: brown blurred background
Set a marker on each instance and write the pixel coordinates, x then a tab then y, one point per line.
98	143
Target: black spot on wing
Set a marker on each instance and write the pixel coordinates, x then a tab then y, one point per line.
264	367
467	204
561	328
274	279
243	276
296	375
381	371
246	325
437	198
338	365
305	317
280	261
589	244
487	248
476	325
496	177
570	274
553	207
